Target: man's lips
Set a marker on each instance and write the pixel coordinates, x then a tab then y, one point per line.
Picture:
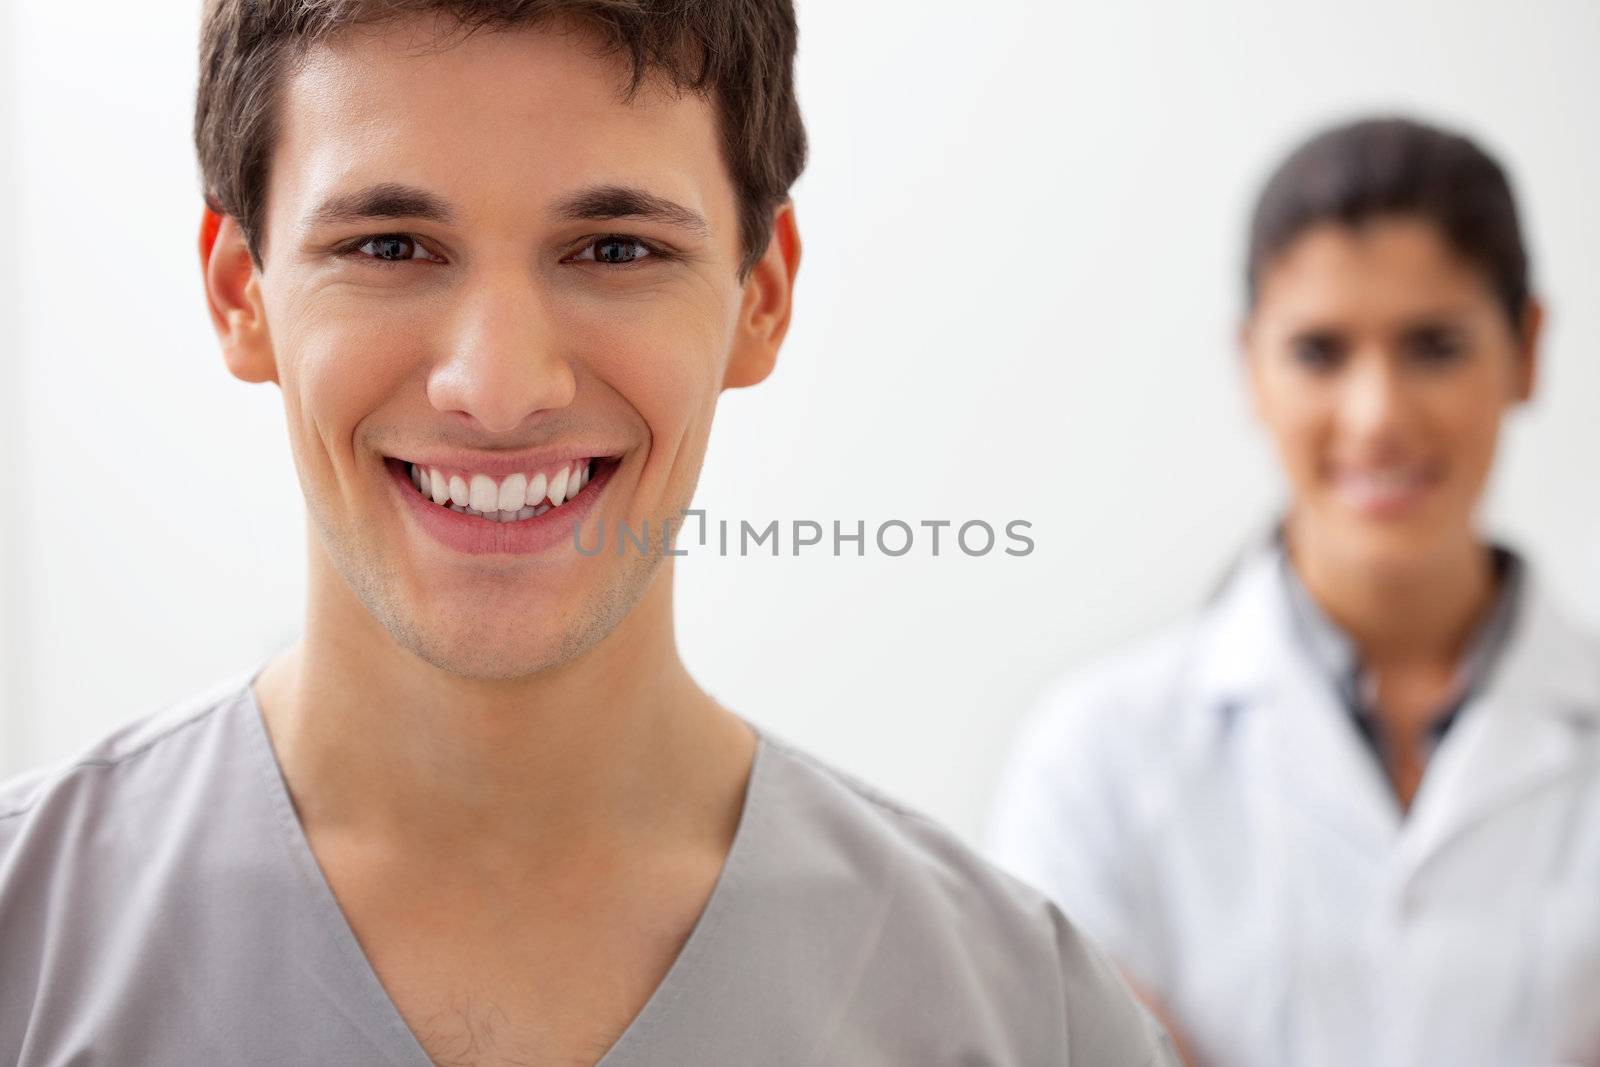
497	463
509	498
481	525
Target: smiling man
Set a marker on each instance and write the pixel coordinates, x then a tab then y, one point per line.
501	260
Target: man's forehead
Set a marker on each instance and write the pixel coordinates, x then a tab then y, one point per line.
525	113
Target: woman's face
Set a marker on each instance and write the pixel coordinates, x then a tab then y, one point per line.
1382	363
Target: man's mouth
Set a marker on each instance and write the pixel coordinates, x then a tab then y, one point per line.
513	498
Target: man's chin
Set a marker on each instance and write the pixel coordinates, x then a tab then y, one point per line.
473	641
492	634
492	646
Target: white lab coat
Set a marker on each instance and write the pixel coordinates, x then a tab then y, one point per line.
1204	807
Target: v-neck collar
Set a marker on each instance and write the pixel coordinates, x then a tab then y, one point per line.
1335	655
376	1014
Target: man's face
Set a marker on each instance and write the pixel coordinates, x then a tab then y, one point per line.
480	260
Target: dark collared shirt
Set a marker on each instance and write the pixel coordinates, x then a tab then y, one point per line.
1335	653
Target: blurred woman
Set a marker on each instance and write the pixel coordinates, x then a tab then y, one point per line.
1348	814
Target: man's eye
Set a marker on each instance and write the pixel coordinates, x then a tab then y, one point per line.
395	247
616	250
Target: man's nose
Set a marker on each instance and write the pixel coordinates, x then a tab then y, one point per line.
503	362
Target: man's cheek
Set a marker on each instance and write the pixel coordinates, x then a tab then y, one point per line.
346	373
675	403
324	393
680	411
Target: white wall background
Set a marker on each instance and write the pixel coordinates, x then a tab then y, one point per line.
1023	224
10	311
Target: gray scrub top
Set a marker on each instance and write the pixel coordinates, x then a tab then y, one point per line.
159	904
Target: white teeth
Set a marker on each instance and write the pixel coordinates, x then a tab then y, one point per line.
558	487
485	494
512	491
512	499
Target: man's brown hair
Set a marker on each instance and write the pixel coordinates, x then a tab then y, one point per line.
739	53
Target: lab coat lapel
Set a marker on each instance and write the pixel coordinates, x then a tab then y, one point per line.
1533	725
1303	750
1319	763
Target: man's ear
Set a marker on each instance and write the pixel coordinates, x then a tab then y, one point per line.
768	300
233	295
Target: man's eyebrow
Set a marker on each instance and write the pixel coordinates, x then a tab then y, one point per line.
386	200
627	202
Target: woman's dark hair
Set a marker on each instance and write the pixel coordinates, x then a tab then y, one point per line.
1387	167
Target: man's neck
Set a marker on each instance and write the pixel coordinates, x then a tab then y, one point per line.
615	745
